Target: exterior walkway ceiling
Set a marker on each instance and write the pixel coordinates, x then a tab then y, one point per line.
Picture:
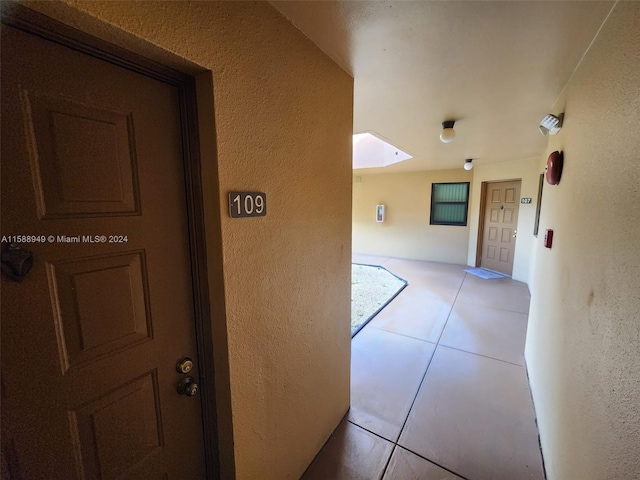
494	67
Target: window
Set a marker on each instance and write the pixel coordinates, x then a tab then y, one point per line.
449	203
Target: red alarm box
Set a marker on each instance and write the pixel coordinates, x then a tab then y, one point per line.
554	167
548	238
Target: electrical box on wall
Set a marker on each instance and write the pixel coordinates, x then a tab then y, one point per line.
380	213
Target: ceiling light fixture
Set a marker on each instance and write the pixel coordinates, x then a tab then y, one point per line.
448	133
468	165
551	125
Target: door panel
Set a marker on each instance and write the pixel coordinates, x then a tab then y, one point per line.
66	184
89	324
500	224
114	432
91	338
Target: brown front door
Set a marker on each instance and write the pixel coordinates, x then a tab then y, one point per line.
92	171
500	223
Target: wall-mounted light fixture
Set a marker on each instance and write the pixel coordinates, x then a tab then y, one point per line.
468	165
448	133
551	125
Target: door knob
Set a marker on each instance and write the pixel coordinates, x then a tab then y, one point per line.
188	387
16	262
185	365
515	233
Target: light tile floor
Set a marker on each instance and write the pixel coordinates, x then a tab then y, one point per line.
438	385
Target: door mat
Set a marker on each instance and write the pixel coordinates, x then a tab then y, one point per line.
487	274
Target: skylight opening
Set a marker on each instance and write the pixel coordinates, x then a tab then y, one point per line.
371	151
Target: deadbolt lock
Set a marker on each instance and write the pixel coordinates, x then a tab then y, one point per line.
188	387
185	365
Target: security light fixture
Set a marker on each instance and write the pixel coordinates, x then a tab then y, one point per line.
468	165
448	133
551	125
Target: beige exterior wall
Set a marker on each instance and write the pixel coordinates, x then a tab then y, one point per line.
528	171
283	115
583	343
406	232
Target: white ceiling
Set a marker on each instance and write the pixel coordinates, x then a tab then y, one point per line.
494	67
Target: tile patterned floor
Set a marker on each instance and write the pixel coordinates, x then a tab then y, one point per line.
438	385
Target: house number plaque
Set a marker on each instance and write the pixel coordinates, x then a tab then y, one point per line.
247	204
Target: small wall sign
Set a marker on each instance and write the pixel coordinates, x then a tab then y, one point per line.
525	200
247	204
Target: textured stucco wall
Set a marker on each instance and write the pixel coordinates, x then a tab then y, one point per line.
406	232
583	343
283	114
528	171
